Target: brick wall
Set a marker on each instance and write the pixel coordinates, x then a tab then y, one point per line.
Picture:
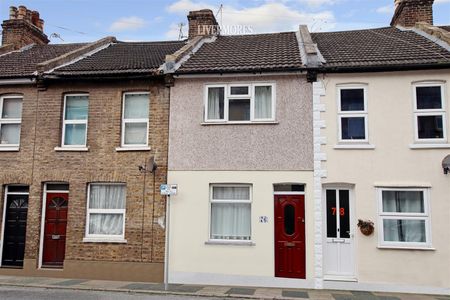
102	163
21	33
409	12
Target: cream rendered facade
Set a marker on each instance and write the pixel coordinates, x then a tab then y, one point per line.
258	155
391	158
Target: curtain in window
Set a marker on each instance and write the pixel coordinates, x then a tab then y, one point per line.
106	197
12	108
404	230
136	106
263	102
231	221
403	201
76	108
215	103
75	134
9	134
135	133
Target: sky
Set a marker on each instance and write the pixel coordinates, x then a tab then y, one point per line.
69	21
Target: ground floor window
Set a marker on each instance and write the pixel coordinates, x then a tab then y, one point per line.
106	211
404	217
230	212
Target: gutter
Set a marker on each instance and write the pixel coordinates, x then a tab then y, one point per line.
17	81
392	68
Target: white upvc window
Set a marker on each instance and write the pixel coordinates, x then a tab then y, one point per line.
105	217
430	120
75	120
230	212
352	114
135	119
404	218
10	121
240	103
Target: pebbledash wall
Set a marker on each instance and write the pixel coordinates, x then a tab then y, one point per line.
392	159
260	155
141	256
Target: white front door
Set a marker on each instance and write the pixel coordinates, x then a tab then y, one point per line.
338	248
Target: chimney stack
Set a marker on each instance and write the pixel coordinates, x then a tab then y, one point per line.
23	28
202	23
409	12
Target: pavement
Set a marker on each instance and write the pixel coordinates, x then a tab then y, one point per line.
121	290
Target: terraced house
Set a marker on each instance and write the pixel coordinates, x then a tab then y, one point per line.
83	150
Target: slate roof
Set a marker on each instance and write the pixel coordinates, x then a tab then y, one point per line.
445	27
23	63
246	53
375	48
122	58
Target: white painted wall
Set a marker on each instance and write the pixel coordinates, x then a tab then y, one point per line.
191	261
391	163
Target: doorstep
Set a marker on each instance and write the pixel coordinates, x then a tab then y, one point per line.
205	291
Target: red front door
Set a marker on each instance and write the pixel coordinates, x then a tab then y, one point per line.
55	229
290	236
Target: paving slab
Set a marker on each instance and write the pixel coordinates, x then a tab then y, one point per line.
294	294
241	291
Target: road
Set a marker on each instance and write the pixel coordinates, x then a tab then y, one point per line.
27	293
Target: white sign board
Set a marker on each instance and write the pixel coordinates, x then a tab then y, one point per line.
168	189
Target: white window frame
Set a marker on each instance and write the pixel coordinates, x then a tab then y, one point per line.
211	201
63	145
430	112
142	120
404	216
250	96
353	114
15	121
104	237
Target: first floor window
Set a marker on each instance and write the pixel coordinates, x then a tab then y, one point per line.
404	217
10	120
231	212
106	210
135	119
240	102
429	112
75	120
352	114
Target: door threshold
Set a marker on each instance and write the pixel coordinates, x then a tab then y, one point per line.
340	278
50	267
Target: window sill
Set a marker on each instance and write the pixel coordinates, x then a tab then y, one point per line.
104	240
9	148
424	248
122	149
230	243
354	147
429	146
72	149
241	123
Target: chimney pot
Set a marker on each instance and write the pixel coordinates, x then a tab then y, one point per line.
23	28
12	12
22	12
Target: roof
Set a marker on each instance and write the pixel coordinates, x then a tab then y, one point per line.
382	47
445	27
246	53
122	58
22	63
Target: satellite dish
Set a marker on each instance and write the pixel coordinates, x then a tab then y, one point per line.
446	164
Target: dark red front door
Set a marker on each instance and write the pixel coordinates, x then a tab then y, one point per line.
290	236
55	229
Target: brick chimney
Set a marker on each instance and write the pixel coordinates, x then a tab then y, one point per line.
23	28
202	22
409	12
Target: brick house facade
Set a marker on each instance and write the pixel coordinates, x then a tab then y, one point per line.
41	160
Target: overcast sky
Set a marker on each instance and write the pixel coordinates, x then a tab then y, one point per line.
137	20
